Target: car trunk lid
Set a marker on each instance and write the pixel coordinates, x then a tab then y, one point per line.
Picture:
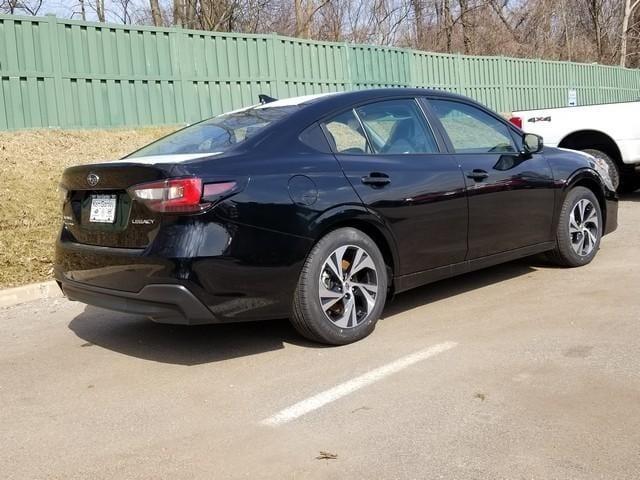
98	210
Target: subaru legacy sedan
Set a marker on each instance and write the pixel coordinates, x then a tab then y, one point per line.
319	208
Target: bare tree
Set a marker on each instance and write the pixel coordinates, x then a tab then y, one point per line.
606	31
629	8
29	7
99	8
156	14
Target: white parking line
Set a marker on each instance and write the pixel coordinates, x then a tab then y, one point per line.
321	399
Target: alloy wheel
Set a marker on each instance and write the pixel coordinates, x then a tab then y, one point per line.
584	227
348	286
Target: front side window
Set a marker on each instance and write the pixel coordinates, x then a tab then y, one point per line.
471	130
217	134
397	127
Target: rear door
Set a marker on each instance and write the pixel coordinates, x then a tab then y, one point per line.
511	195
398	167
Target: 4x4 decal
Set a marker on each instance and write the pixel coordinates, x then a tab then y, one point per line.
539	119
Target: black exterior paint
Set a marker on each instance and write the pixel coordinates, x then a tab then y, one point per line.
241	259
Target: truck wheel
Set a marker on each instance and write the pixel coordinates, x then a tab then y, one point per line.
614	170
579	229
342	288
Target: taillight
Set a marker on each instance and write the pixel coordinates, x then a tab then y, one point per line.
517	121
180	195
212	190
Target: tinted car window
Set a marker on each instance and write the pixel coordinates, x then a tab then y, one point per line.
216	134
397	127
471	130
346	135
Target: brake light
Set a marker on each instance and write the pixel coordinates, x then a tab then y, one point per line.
517	121
179	195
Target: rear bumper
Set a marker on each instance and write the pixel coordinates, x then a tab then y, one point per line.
162	303
194	272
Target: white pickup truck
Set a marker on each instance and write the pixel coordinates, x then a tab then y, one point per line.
609	131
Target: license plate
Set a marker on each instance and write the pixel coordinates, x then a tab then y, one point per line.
103	209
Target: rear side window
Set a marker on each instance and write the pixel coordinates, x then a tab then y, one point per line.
346	135
397	127
471	130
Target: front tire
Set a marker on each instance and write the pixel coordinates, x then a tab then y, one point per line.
579	229
342	289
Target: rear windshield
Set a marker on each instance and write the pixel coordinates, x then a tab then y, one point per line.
216	134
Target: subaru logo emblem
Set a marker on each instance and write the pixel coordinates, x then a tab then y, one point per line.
93	179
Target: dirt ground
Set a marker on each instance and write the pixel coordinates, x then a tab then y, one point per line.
540	380
31	163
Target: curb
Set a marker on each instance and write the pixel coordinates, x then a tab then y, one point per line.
28	293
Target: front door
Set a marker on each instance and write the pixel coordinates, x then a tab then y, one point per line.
391	156
511	195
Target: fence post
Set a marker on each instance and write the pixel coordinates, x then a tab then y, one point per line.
462	74
408	58
505	104
347	61
539	94
56	64
277	65
178	58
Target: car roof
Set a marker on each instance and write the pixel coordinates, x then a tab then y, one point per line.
376	93
356	96
319	105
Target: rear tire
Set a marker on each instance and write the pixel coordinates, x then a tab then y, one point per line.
579	229
614	170
342	289
624	178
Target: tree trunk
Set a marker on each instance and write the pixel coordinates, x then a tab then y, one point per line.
100	10
83	11
155	13
567	36
466	28
448	23
628	12
178	13
297	5
418	13
207	14
190	13
595	12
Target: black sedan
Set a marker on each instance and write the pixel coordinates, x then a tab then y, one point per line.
319	208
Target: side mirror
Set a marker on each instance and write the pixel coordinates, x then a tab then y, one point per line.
532	143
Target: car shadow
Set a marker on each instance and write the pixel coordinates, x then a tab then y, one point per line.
464	283
139	337
631	197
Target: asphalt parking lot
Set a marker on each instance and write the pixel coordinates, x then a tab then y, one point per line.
519	371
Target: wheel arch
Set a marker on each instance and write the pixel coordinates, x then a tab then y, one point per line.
361	219
588	179
596	139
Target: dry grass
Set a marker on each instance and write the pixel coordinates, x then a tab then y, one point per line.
31	163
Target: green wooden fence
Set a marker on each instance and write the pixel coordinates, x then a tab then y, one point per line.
73	74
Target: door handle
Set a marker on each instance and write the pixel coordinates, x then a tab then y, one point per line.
376	179
478	175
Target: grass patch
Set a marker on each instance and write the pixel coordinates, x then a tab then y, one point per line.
31	163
